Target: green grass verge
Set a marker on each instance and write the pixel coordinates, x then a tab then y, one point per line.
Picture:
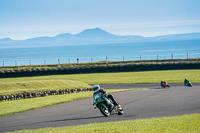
10	107
171	76
8	88
179	124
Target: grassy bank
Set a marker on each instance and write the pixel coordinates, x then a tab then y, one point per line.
10	107
183	124
19	87
171	76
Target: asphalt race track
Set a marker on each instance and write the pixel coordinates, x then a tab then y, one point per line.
154	102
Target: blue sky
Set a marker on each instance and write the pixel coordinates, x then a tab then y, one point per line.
22	19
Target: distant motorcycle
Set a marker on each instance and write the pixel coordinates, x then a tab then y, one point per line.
101	103
188	83
164	84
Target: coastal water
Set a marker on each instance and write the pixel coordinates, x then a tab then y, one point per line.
99	52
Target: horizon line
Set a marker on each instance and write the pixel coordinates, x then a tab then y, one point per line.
101	29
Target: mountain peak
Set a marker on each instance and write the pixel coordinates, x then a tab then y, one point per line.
96	32
64	35
6	39
94	29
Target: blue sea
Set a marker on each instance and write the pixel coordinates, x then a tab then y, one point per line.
99	52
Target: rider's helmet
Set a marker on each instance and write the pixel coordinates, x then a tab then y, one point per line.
96	88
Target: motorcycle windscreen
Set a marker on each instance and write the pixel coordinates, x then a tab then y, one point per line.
96	96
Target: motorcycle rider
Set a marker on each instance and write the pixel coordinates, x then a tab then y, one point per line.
163	83
98	90
185	81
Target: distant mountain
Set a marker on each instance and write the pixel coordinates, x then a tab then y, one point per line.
65	35
93	36
175	37
44	39
6	40
94	33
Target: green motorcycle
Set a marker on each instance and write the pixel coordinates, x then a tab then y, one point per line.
106	106
188	83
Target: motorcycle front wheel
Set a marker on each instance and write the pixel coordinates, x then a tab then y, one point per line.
120	112
104	110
